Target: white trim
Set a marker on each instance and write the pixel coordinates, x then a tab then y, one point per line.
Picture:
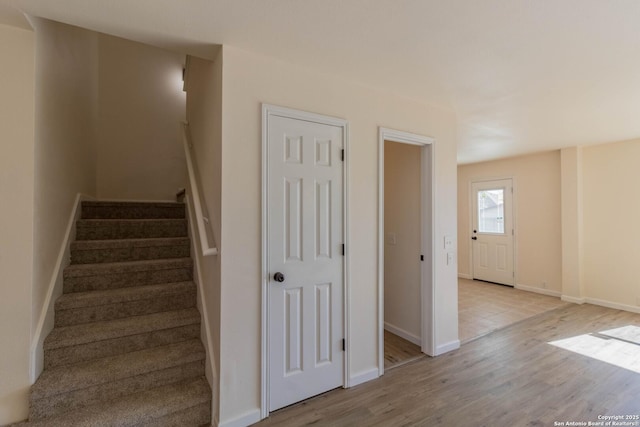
347	255
428	326
204	312
447	347
405	137
46	319
244	420
542	291
402	333
363	377
614	305
465	276
470	229
268	111
274	110
574	300
264	279
602	303
207	249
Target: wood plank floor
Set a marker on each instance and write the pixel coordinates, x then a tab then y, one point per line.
486	307
483	308
398	351
511	377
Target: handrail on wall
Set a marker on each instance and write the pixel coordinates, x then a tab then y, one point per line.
202	221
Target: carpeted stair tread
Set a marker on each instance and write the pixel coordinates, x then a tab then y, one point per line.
65	379
119	310
124	243
120	295
105	251
145	408
100	331
106	229
72	354
132	210
102	276
83	270
107	221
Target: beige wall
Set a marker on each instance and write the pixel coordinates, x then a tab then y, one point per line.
17	111
402	207
66	109
611	227
538	239
572	210
204	114
139	155
251	79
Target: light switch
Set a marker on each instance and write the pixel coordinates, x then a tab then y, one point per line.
391	238
450	256
448	242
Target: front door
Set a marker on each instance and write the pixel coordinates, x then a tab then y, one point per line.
305	259
493	232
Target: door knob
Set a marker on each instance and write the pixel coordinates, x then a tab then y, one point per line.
474	238
278	277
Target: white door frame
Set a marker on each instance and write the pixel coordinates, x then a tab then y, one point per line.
268	111
513	219
428	242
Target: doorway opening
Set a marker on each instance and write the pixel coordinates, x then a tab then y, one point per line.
405	246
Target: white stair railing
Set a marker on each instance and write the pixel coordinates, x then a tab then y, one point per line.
204	224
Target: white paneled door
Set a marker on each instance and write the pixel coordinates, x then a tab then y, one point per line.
493	232
305	259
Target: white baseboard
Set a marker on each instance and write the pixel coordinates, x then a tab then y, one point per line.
465	276
46	319
403	334
571	299
244	420
447	347
542	291
615	305
363	377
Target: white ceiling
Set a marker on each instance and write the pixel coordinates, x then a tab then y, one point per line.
521	75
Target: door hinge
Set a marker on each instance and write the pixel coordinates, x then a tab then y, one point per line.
343	250
513	274
342	155
344	345
512	232
421	257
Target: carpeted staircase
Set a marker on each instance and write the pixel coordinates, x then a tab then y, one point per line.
126	346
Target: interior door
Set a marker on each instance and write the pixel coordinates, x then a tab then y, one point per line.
305	259
493	233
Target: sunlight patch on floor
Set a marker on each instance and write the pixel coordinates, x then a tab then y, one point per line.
619	346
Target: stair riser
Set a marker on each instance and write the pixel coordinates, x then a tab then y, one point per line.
95	350
122	280
98	256
57	404
195	416
132	212
103	230
77	316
